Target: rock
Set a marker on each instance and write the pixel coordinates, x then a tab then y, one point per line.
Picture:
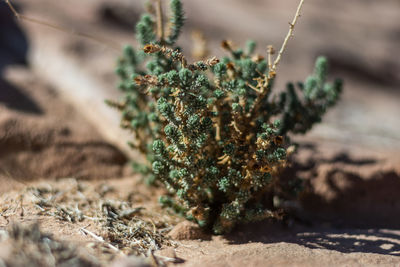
188	231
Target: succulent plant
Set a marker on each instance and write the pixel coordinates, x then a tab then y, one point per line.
214	132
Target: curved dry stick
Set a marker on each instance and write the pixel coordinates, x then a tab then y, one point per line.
111	44
272	67
288	36
160	21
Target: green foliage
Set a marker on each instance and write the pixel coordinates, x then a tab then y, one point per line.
177	21
306	109
213	132
144	30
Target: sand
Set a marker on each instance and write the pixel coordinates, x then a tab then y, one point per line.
42	137
55	132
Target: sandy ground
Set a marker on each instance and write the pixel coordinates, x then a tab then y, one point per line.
43	137
54	124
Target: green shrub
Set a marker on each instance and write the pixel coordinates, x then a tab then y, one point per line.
214	132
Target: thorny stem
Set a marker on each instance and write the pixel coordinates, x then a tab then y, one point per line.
111	44
272	70
160	21
288	36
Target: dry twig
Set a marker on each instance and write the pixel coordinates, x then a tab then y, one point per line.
288	36
108	42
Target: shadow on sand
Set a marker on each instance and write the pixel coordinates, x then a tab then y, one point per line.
352	219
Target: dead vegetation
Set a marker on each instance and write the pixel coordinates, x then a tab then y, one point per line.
27	245
112	223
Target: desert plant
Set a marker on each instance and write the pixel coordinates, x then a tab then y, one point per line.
214	132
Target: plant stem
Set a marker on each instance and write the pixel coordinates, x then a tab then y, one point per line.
160	21
288	36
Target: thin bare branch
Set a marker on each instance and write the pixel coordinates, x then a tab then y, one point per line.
288	36
160	20
272	67
109	43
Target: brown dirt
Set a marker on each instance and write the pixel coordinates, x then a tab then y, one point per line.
348	188
42	137
349	214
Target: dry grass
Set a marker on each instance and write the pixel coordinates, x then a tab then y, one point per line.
111	222
28	246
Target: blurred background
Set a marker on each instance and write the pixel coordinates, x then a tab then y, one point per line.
53	121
